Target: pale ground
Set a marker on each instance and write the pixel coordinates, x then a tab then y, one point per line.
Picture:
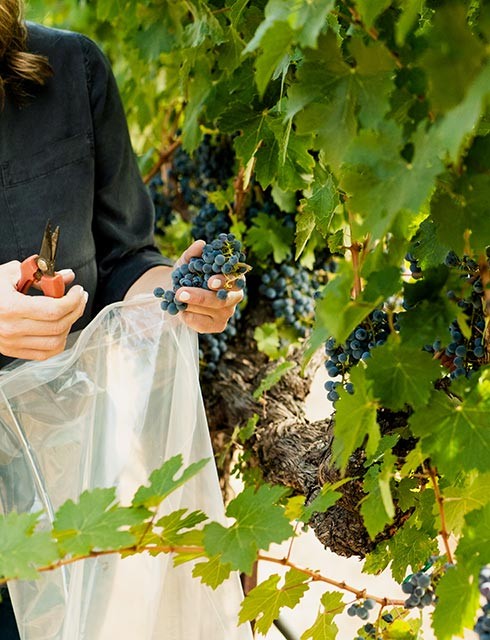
308	552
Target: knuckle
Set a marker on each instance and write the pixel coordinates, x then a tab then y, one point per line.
54	344
52	314
7	330
59	327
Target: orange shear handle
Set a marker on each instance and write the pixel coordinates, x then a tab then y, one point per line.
51	286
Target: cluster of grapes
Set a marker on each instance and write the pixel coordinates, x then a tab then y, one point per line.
369	630
291	290
462	355
212	346
415	269
209	222
361	609
185	183
222	256
163	207
419	590
215	161
482	626
372	332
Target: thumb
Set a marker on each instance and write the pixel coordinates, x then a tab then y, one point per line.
68	275
10	274
194	251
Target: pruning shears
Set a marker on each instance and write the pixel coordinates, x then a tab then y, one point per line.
41	268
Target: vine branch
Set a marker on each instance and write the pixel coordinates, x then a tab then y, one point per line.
314	575
440	503
318	577
163	157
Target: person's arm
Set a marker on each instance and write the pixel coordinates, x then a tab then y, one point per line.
123	212
128	261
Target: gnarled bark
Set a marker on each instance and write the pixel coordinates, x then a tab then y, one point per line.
288	448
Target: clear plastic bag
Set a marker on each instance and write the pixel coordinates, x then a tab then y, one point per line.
108	411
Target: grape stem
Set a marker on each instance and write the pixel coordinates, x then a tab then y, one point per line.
241	191
440	503
355	249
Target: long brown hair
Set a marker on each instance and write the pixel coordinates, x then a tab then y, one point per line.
18	68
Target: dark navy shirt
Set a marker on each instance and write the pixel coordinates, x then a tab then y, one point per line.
66	155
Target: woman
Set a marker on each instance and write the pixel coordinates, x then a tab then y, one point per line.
65	155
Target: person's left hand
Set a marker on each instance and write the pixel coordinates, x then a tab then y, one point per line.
205	313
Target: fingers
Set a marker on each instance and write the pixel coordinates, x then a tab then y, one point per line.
67	274
51	309
203	298
36	327
203	323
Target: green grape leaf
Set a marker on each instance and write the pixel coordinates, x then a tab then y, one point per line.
401	629
458	125
410	547
381	183
330	95
273	378
212	572
264	602
326	498
458	437
411	10
259	522
173	523
267	338
453	59
96	521
427	322
321	201
401	375
377	507
274	49
324	628
269	236
305	225
370	10
163	482
458	599
382	284
304	21
428	251
406	492
473	548
377	560
336	313
355	419
460	500
22	550
461	210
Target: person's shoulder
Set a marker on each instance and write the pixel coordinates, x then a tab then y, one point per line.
62	44
43	39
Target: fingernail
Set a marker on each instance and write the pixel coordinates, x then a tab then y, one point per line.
85	296
215	284
184	296
66	272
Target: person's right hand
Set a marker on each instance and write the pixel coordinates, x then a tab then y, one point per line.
36	327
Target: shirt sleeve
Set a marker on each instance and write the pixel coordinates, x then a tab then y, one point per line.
123	219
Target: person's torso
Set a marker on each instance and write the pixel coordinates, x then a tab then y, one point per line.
47	164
